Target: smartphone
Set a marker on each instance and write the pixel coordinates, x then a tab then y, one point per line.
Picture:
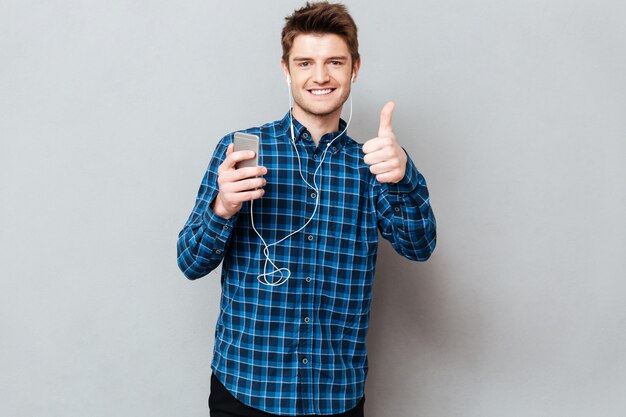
247	142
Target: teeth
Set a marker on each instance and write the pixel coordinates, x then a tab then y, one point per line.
321	92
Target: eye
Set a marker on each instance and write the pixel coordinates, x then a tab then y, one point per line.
336	63
303	64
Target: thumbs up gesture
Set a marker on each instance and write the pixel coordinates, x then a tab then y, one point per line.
387	160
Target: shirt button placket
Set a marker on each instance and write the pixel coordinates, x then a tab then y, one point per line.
307	329
309	254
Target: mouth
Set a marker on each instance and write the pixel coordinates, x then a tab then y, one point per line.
321	92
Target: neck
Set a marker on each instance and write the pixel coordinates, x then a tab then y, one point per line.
317	125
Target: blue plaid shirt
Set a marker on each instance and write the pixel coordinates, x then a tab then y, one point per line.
299	348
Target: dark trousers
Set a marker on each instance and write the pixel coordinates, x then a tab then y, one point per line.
223	404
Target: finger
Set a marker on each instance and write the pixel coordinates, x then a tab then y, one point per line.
245	185
247	172
384	167
376	144
246	196
386	177
380	155
237	156
385	119
231	176
230	149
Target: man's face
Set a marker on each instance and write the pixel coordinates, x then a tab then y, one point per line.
321	69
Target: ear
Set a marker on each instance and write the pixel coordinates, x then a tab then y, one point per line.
285	67
355	69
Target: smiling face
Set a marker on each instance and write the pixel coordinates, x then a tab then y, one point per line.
320	67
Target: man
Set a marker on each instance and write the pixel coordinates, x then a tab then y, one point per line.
298	236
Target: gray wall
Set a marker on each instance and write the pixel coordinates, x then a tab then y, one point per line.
514	112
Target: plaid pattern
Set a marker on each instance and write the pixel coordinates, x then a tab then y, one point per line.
299	348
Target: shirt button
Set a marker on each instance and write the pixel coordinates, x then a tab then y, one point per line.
396	209
313	195
314	156
306	319
310	237
305	135
225	227
334	149
308	279
305	361
218	251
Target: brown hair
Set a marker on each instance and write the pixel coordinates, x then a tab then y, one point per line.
321	17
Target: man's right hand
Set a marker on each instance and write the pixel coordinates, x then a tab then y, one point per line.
237	185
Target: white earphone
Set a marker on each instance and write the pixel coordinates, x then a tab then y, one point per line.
285	273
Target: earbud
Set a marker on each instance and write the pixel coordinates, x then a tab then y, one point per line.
353	77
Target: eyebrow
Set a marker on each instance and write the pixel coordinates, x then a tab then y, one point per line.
332	58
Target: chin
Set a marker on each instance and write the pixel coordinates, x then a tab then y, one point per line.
321	109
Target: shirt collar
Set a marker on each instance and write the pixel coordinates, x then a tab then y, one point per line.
302	134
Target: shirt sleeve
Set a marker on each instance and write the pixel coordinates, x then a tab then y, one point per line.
405	216
205	236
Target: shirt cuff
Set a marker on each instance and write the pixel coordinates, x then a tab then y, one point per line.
218	227
410	180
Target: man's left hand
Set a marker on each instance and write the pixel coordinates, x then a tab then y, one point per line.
386	158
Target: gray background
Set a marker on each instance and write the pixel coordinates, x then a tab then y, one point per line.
513	111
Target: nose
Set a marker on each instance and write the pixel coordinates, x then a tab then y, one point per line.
321	74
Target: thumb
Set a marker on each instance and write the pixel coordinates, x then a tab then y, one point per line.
385	118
